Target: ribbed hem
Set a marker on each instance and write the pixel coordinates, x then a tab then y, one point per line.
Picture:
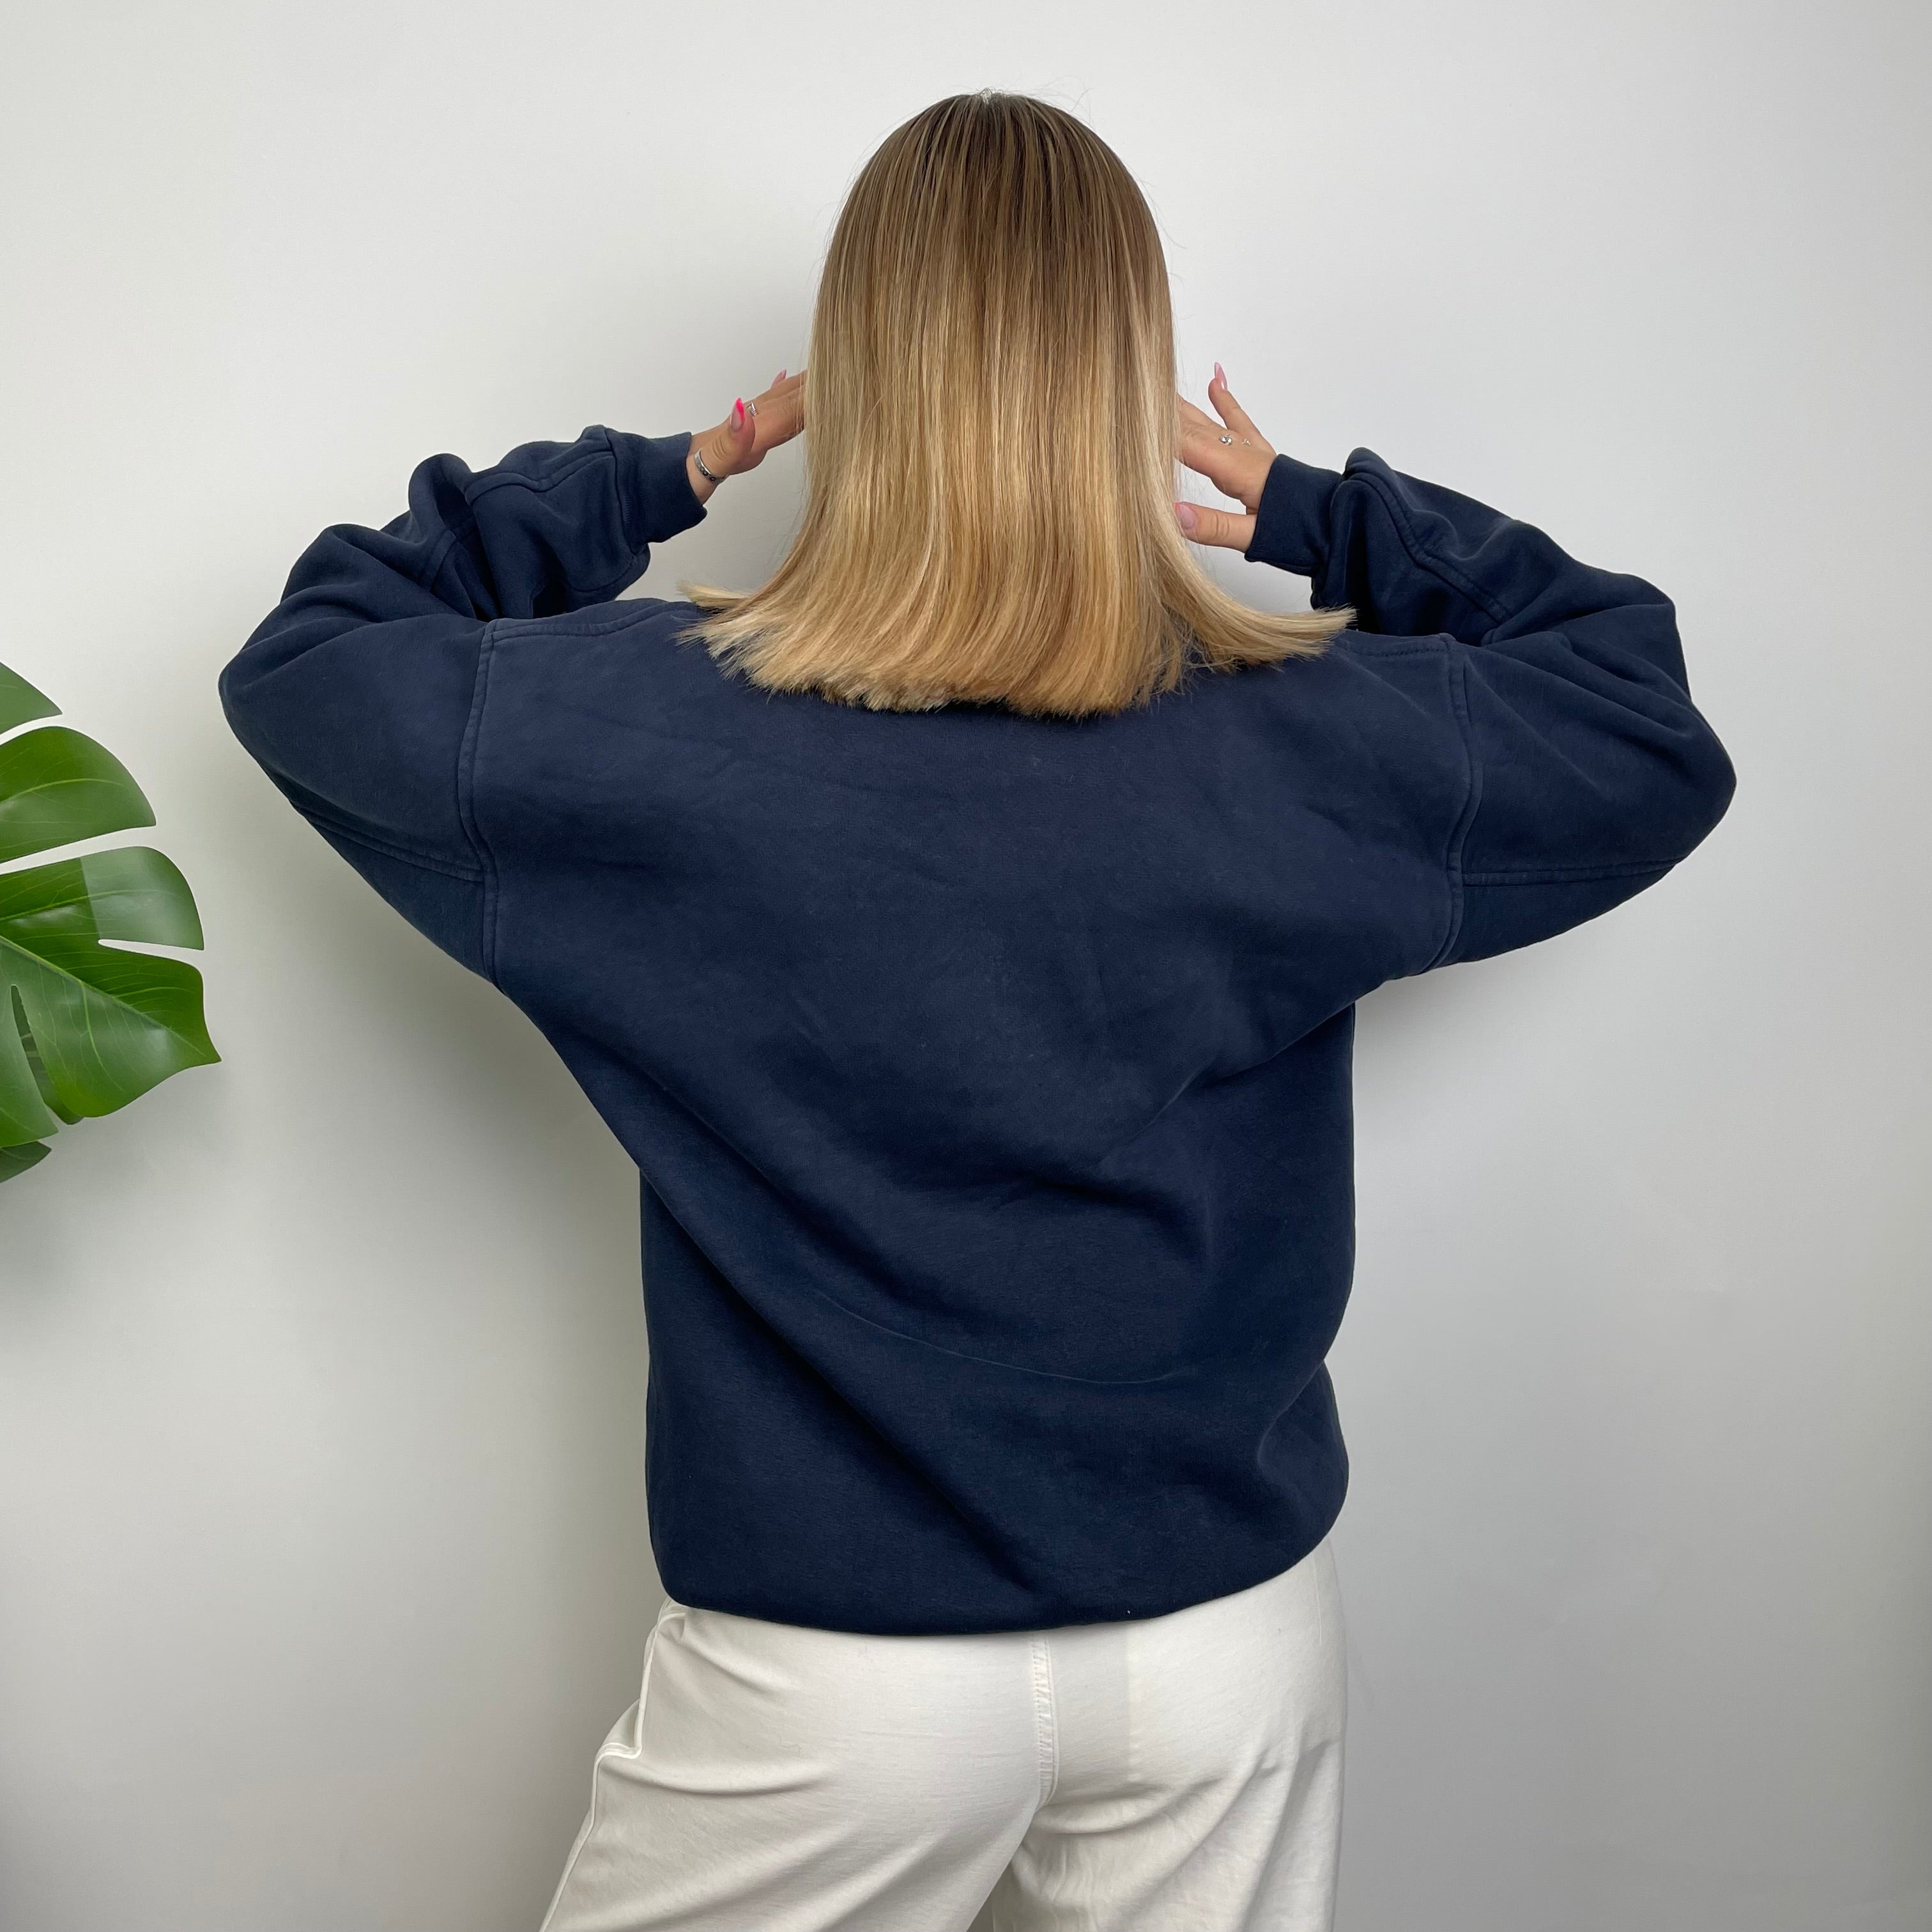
654	486
1292	520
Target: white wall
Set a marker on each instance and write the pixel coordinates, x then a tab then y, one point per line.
322	1557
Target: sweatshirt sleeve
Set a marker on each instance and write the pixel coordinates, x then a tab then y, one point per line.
356	693
1591	772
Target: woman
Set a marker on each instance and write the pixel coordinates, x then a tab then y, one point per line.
962	932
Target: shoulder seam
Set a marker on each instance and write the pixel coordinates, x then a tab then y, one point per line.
389	848
629	610
1382	644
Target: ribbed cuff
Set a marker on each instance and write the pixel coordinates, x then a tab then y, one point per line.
654	486
1292	520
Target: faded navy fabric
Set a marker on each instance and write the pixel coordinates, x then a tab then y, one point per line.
989	1078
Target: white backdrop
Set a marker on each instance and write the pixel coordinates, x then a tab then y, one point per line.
322	1555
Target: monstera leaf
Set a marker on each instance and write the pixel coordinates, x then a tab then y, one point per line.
84	1027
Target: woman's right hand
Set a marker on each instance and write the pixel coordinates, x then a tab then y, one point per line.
740	442
1233	456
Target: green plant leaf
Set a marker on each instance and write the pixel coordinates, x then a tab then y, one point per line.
19	702
17	1160
57	786
85	1025
91	1027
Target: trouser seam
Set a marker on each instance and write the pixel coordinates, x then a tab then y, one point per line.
1045	1724
633	1750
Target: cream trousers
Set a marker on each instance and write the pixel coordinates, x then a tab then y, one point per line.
1182	1774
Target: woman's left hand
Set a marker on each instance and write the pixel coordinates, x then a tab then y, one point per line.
740	442
1233	456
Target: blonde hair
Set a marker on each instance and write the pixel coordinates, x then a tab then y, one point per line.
991	431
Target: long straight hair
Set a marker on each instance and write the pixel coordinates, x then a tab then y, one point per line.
991	431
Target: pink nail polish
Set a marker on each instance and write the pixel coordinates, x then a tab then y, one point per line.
1220	376
738	413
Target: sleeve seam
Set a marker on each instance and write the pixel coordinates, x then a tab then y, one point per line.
622	580
451	536
1534	875
1423	557
1456	667
466	804
630	503
540	485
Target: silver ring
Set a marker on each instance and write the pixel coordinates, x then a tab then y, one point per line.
1227	438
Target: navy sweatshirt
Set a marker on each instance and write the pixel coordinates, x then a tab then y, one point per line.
989	1077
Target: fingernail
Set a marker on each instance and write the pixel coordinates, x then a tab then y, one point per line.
738	413
1187	516
779	377
1220	376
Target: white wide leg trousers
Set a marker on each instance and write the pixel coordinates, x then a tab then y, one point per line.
1182	1774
